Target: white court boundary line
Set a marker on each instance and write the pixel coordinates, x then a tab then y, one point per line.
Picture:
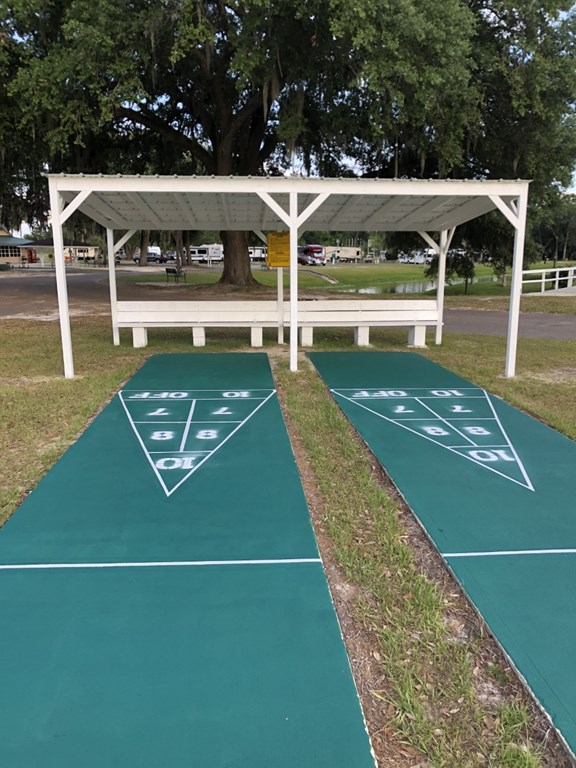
504	553
157	564
210	454
400	423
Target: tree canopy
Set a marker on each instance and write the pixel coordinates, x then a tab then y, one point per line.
484	88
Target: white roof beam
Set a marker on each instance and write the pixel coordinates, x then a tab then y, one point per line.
510	212
314	205
74	205
433	244
274	206
239	184
123	240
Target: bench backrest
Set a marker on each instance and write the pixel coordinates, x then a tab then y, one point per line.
421	310
186	311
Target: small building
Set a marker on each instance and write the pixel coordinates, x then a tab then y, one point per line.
16	251
74	253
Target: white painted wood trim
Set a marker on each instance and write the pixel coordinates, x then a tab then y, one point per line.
516	288
57	205
112	282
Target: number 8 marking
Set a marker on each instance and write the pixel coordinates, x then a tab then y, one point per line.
162	435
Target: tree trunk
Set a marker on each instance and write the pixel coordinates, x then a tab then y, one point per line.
179	247
186	256
236	259
144	240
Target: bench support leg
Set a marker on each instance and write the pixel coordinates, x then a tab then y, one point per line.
306	336
256	337
417	336
362	336
198	337
140	337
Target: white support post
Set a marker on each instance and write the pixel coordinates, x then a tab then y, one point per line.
440	288
280	299
256	336
442	252
516	286
139	337
112	281
293	281
57	206
198	336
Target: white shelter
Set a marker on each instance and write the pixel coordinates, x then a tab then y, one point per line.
433	208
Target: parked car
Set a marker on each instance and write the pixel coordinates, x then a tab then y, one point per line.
152	257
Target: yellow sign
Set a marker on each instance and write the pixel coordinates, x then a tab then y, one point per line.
278	249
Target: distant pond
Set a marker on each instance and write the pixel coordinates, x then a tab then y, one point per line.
417	286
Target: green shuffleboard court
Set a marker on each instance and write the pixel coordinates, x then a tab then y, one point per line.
494	489
162	599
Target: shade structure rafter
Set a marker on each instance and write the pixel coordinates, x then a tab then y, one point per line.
265	204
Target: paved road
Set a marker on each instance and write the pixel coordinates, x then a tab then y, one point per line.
533	325
31	293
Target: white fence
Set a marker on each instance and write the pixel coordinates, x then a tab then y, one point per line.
550	279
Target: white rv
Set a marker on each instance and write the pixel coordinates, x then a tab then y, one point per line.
206	254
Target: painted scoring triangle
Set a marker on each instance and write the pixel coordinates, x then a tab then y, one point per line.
181	431
462	421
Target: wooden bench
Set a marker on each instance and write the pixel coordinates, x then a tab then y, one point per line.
416	314
176	273
256	315
198	315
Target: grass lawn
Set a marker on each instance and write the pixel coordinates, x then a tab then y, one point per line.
435	689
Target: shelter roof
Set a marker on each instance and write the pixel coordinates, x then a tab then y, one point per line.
251	203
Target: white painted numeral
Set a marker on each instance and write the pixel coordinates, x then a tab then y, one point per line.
476	431
207	434
437	431
235	394
402	409
446	393
172	395
497	455
460	409
222	412
162	435
158	395
159	412
176	462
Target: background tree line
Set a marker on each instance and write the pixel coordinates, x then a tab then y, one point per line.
404	88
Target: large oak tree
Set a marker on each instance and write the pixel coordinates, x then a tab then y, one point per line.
383	87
